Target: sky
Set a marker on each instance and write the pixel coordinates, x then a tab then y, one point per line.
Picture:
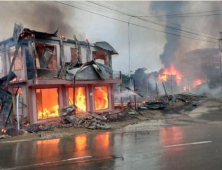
137	47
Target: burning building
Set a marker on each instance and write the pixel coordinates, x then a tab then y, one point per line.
53	72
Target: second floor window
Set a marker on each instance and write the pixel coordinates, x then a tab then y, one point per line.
100	57
46	56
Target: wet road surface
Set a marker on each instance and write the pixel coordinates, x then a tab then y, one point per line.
167	148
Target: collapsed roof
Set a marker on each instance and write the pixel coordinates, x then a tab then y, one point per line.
91	71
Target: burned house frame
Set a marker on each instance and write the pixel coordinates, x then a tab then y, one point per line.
45	67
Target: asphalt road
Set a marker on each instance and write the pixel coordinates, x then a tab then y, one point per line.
167	148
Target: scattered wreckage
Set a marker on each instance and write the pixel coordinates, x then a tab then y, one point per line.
163	101
69	119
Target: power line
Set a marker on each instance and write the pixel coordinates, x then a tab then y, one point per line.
133	23
94	7
167	22
155	22
180	16
184	14
177	14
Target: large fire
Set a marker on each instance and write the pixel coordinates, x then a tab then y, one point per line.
101	97
171	71
47	103
80	99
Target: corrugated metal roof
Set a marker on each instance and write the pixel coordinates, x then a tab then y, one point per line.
106	46
102	70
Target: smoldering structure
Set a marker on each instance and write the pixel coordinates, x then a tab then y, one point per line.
52	72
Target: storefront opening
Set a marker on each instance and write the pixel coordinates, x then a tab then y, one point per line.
101	98
47	103
80	98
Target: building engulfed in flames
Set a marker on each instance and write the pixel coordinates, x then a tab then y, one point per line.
41	79
173	77
168	73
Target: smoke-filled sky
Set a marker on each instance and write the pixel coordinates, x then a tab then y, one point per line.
148	48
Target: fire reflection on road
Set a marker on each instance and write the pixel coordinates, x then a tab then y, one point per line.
81	142
171	136
53	150
102	140
47	149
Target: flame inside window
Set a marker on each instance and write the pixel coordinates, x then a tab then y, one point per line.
80	99
101	97
47	103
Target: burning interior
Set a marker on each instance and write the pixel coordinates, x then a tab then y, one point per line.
47	103
80	99
101	97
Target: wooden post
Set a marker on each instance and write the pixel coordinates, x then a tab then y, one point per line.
121	99
171	85
135	101
157	90
10	69
165	89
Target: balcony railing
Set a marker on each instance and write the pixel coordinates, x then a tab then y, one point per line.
116	75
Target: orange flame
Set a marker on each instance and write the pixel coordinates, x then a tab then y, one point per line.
47	103
172	71
101	97
3	131
80	99
198	82
49	113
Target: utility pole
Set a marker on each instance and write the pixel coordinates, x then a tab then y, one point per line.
171	84
188	86
157	92
220	48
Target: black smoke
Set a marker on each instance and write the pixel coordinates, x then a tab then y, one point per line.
41	16
173	42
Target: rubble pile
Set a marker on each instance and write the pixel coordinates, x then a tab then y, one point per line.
83	121
69	119
90	121
188	97
159	104
34	128
162	102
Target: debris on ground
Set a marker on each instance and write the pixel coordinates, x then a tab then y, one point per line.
69	119
163	102
68	110
4	136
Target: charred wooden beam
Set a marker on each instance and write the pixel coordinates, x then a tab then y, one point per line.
3	80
